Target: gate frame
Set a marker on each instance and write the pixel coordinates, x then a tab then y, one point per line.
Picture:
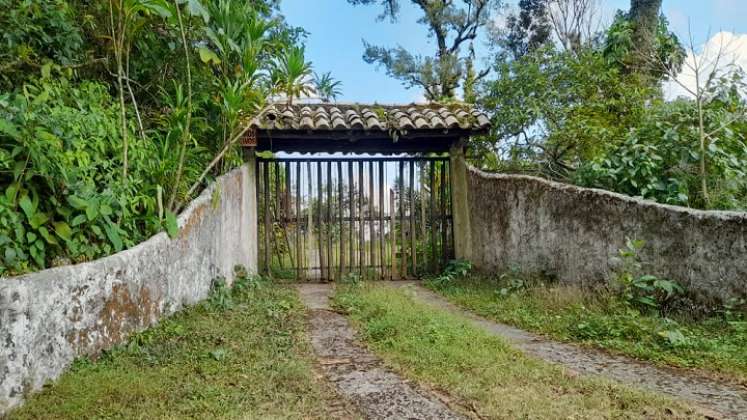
291	129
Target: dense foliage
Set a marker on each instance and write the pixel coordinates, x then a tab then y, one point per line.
592	111
114	114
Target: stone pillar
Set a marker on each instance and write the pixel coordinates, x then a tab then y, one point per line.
251	210
460	203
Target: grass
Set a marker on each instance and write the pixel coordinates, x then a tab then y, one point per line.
601	319
482	371
241	354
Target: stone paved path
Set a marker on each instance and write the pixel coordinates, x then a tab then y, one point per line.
724	399
358	374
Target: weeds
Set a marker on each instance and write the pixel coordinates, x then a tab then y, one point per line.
454	269
644	291
239	354
481	371
607	320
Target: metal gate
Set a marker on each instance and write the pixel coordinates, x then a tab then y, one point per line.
371	218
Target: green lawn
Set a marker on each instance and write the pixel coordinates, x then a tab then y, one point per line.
239	355
716	345
480	371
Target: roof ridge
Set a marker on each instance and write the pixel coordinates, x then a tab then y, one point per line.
398	118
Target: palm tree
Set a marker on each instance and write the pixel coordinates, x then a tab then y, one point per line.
291	74
327	87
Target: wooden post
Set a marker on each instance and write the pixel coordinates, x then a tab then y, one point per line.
459	203
299	255
309	245
351	225
361	224
320	221
330	255
411	207
392	236
382	258
266	209
371	217
341	211
402	244
432	212
252	210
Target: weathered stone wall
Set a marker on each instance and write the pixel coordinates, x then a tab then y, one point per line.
571	233
49	318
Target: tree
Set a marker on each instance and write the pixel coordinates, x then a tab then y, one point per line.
714	79
641	37
454	25
569	24
645	17
527	30
553	109
291	74
326	86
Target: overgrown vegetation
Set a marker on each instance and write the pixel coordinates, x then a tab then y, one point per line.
579	101
114	114
585	104
480	371
240	354
640	315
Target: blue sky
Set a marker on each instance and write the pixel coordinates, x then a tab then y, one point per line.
337	29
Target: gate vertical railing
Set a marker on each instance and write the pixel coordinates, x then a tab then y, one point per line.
374	217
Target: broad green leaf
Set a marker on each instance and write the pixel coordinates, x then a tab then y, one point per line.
27	206
92	210
77	202
11	191
63	230
37	255
46	70
38	219
79	219
113	235
105	210
158	7
47	236
10	255
208	56
172	227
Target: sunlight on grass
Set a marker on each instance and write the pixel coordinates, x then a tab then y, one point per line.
240	355
602	320
482	371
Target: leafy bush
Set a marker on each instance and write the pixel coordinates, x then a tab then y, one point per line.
645	292
62	199
36	32
97	153
454	269
659	158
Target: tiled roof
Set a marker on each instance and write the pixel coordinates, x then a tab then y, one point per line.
334	117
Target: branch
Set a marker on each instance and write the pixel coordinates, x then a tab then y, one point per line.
219	156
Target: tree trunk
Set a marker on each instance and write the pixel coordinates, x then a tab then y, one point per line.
645	16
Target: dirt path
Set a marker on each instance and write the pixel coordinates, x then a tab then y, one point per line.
727	399
358	374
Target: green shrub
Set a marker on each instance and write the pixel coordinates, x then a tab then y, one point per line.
644	291
36	32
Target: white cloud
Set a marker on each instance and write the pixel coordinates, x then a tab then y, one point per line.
733	48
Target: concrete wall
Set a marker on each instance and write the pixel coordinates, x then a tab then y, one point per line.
539	226
49	318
